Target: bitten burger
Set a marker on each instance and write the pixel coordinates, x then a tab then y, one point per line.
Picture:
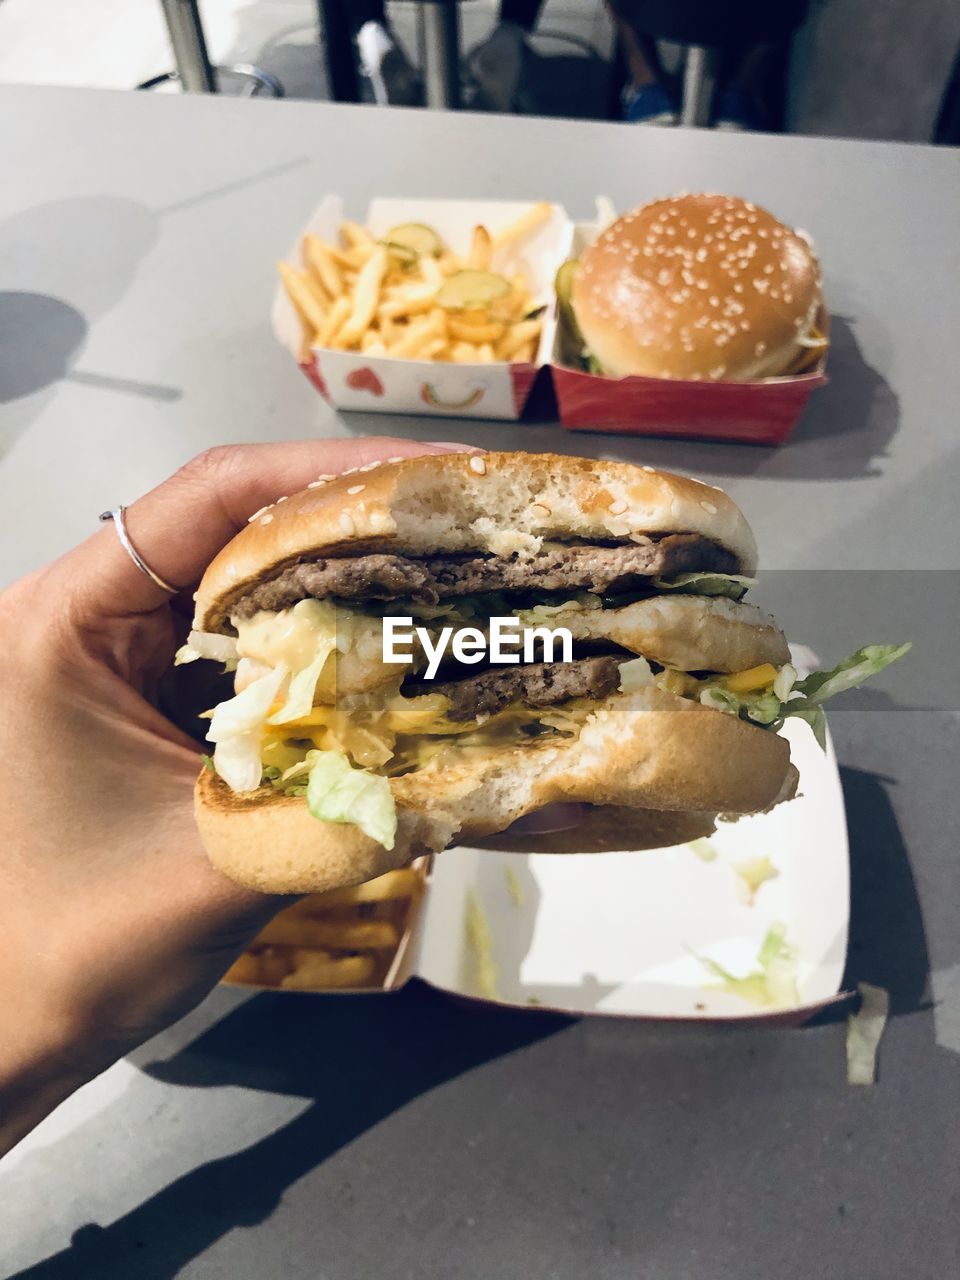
333	762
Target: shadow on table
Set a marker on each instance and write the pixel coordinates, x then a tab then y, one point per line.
844	434
359	1057
887	943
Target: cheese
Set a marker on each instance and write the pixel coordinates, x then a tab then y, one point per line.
761	677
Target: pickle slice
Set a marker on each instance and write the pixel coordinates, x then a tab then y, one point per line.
466	289
563	284
571	339
417	238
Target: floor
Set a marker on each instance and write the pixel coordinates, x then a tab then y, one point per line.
860	68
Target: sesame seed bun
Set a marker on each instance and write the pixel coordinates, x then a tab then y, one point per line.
697	287
493	502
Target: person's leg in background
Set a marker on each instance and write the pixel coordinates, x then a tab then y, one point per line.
384	61
496	64
750	87
647	96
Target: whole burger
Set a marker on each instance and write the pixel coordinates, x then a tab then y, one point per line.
699	287
333	765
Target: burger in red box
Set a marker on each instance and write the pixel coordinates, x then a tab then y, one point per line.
693	315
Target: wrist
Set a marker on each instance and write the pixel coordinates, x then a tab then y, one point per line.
36	1073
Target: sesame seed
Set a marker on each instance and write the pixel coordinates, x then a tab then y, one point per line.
709	507
396	458
328	475
283	499
266	519
646	468
617	508
257	514
346	523
370	466
356	488
478	465
316	484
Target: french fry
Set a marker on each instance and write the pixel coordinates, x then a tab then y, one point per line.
480	250
385	888
365	297
318	970
526	355
474	332
336	934
417	300
358	239
347	259
336	317
275	964
463	353
534	217
246	968
306	299
388	330
430	272
318	258
517	336
287	931
372	344
419	335
485	354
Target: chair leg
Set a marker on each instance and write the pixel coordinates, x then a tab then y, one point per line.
189	46
439	24
697	86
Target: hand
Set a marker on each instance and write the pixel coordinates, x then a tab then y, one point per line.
114	923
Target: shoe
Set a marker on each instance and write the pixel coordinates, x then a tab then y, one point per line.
738	112
652	104
383	61
496	66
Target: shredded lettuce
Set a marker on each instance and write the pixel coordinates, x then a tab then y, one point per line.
850	673
752	873
580	602
237	728
705	850
205	644
774	980
337	792
734	585
635	674
864	1029
803	698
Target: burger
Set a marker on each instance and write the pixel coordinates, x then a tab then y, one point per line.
697	287
337	759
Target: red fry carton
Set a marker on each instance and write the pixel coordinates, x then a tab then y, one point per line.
764	411
383	384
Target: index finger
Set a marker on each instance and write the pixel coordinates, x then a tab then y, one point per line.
178	527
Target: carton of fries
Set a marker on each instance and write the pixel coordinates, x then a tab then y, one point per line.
749	925
424	306
764	411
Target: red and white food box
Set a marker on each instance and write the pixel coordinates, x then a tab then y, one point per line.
764	411
383	384
627	934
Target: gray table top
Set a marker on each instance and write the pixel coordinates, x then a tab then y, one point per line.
405	1135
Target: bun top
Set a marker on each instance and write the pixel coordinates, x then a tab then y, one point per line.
496	503
698	287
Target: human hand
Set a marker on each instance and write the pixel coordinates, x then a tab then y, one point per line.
114	923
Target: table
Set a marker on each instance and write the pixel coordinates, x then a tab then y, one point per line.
406	1135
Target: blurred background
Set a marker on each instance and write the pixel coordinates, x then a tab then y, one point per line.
857	68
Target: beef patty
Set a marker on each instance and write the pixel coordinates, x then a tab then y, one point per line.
428	580
538	685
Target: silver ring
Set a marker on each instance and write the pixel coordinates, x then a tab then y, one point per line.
116	515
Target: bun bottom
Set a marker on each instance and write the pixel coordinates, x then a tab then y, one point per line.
649	753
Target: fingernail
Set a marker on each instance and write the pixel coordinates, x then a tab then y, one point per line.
455	446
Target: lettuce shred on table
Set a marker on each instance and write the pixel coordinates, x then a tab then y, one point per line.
864	1029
